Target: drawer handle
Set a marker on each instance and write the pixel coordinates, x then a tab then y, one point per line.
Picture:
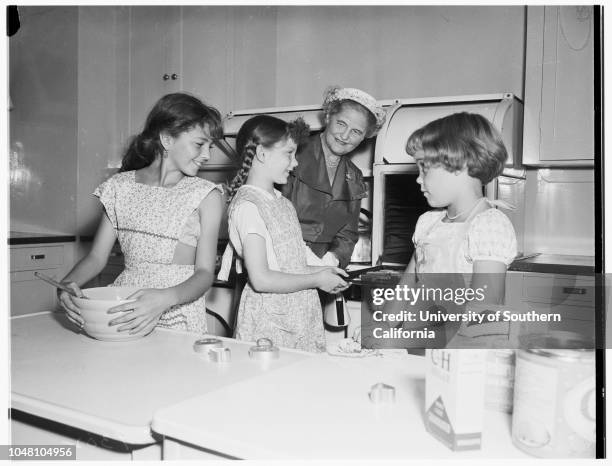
568	290
36	257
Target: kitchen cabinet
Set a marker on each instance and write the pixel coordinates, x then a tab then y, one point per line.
207	40
570	296
30	294
154	58
208	51
31	430
559	86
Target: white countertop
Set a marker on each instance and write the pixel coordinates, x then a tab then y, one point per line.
318	408
113	388
301	407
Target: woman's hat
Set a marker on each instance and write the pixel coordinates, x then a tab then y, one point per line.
359	96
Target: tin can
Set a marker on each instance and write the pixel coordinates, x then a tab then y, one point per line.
499	385
554	401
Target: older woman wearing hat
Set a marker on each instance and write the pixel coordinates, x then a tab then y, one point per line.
326	188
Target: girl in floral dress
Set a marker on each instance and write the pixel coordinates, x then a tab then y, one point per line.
165	218
279	301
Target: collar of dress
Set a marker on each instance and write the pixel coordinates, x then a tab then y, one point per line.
313	172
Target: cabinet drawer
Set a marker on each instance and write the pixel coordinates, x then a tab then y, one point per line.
566	312
554	289
575	319
30	294
37	257
581	327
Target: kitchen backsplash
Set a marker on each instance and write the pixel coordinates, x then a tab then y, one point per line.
560	214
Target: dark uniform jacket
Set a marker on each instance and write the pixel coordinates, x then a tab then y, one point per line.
328	215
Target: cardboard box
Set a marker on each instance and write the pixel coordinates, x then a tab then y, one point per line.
454	396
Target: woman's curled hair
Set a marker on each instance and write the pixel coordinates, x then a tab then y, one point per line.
336	99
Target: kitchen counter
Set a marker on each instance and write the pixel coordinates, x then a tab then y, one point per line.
302	406
21	237
319	408
556	263
112	389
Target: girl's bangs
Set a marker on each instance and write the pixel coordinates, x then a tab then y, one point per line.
215	127
446	157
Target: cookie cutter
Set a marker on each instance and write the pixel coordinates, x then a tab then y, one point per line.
204	345
382	393
220	354
264	350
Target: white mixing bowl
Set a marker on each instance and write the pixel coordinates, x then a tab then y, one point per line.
93	312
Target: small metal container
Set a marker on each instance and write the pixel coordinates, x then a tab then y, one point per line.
204	345
554	398
264	350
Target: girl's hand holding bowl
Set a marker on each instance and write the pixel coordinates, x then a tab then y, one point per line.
141	313
93	312
72	309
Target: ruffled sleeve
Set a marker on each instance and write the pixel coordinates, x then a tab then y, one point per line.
207	186
424	224
190	232
107	193
491	237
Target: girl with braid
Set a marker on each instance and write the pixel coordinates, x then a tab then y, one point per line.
280	300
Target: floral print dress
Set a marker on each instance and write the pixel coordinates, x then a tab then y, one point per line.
453	247
292	320
149	221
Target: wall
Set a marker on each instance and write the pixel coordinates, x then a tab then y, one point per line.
229	55
43	121
235	57
560	220
264	56
399	51
103	103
